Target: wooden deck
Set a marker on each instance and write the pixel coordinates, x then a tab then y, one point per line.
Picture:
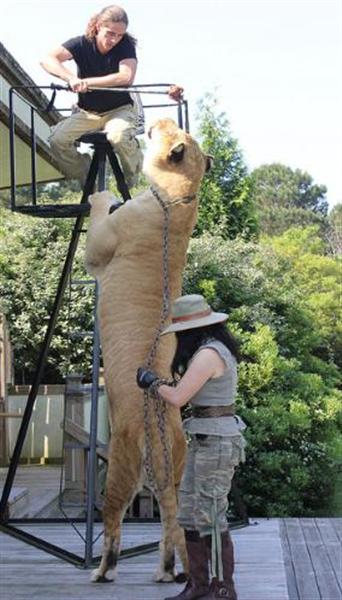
289	559
313	558
31	573
35	488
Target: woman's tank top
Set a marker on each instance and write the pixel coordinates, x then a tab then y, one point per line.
218	391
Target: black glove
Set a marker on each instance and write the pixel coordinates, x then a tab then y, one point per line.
145	378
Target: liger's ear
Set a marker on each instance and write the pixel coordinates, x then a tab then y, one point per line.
209	163
177	152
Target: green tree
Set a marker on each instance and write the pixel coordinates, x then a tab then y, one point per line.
288	377
225	201
334	233
317	277
285	197
32	253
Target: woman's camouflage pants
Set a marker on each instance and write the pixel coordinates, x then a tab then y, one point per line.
209	470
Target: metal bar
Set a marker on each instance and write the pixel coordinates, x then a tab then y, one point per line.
40	520
120	89
101	177
12	147
91	473
133	89
32	540
74	558
180	115
42	359
233	522
159	105
144	106
121	183
138	550
33	159
187	122
14	88
57	86
70	557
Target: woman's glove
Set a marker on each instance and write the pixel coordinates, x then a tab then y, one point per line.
145	378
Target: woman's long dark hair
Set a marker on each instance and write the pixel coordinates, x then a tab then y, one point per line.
190	340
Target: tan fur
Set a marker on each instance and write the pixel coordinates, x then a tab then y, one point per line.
124	252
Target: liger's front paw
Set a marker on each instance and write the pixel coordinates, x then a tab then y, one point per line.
102	198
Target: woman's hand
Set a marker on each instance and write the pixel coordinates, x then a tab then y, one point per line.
145	378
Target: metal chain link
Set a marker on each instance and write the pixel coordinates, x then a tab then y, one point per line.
152	399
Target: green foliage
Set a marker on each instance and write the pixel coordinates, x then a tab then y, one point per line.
282	296
225	202
32	253
288	376
285	198
334	233
318	277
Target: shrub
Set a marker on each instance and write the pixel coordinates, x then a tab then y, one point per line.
288	376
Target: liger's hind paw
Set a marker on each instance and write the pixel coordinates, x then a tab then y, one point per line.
97	577
181	577
163	577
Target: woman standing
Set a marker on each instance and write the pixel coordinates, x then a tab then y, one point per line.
206	360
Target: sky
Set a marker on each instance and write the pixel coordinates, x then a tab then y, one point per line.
275	67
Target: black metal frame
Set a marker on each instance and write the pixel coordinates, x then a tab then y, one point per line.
67	210
96	169
67	556
102	151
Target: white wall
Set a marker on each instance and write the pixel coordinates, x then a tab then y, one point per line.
44	438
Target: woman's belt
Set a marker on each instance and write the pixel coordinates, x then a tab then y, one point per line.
200	412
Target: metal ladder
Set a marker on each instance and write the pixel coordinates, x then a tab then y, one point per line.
102	151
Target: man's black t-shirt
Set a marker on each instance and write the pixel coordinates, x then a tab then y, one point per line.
91	63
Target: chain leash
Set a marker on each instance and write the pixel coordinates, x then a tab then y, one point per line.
152	399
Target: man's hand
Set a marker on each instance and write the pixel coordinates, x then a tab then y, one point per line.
176	92
78	85
145	378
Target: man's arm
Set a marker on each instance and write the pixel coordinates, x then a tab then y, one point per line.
123	78
53	63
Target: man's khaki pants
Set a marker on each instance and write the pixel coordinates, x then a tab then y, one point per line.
119	125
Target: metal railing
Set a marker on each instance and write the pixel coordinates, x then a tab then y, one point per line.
32	208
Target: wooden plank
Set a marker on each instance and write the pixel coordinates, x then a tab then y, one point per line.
304	572
328	530
259	570
338	528
9	415
42	483
325	576
289	566
43	390
81	435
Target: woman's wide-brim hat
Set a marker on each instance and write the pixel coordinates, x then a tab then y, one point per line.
190	312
